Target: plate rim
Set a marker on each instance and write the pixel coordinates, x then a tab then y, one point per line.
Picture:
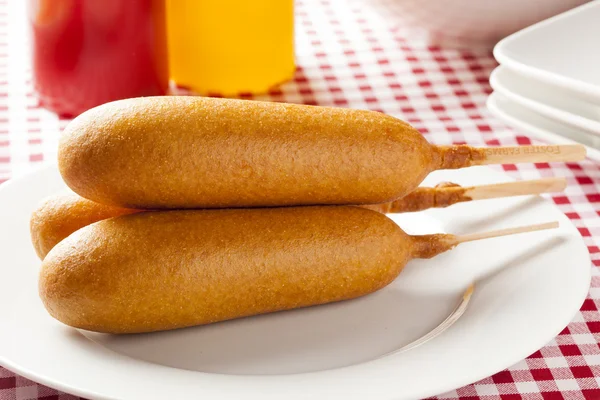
492	103
546	110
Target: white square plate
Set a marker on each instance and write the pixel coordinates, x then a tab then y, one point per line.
562	51
546	101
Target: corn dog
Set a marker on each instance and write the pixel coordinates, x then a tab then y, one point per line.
164	270
60	215
190	152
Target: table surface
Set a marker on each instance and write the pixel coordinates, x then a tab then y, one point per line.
355	53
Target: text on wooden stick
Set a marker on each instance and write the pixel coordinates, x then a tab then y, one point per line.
505	151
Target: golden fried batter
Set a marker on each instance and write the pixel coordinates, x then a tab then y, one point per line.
58	216
192	152
171	269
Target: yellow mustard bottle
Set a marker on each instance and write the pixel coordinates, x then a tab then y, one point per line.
230	46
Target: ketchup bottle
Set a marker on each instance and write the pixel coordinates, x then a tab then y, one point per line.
89	52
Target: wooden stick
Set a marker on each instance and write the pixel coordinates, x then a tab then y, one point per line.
447	194
519	188
522	154
429	246
504	232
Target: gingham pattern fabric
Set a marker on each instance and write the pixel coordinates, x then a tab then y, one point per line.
352	53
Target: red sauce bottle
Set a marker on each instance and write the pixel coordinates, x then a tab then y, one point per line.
89	52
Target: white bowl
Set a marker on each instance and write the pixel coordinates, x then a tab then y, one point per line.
545	100
471	21
563	51
539	127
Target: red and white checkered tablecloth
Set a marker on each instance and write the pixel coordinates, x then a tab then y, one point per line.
351	53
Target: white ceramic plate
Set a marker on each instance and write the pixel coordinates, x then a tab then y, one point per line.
541	127
546	101
562	51
535	284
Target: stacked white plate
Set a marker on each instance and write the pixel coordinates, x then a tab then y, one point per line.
548	81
